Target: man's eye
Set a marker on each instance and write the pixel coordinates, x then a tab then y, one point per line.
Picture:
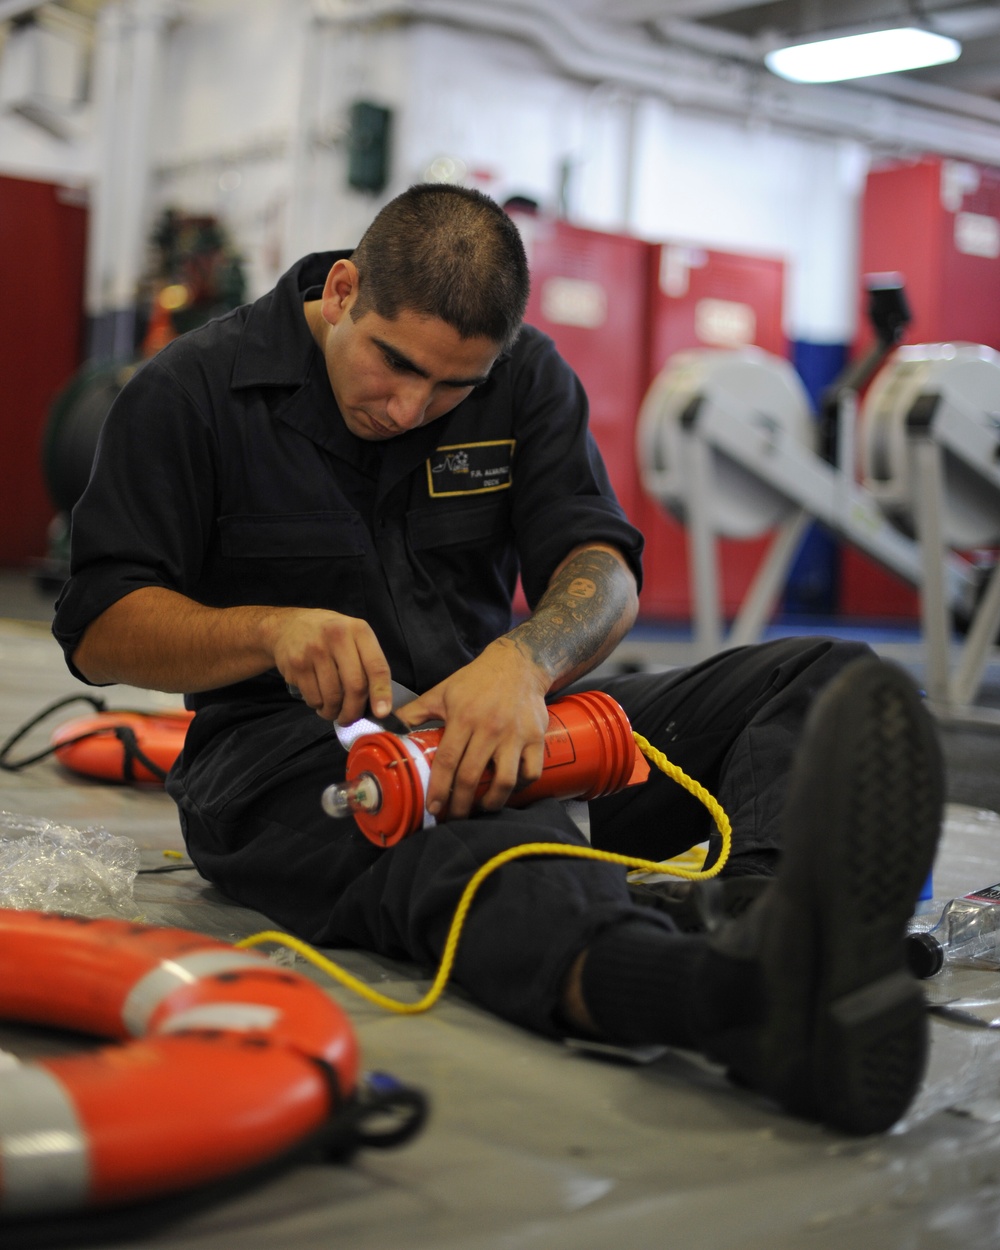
395	364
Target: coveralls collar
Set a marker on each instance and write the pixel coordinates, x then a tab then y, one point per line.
277	349
276	346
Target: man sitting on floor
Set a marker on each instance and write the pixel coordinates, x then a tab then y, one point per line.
337	486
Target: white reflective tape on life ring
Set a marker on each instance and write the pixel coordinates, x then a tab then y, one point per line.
44	1164
149	991
236	1017
424	773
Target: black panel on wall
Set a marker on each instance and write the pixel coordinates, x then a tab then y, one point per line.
368	146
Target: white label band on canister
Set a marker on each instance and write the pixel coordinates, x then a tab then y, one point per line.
424	773
347	735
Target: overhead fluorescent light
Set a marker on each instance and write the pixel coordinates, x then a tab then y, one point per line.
859	56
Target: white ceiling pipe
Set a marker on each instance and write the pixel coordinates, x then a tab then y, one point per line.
595	50
655	10
564	32
727	44
709	39
933	95
692	80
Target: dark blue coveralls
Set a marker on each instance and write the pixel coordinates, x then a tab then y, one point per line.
225	473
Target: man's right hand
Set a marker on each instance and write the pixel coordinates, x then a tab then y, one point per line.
334	661
162	640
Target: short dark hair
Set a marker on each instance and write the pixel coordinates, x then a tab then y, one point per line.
448	252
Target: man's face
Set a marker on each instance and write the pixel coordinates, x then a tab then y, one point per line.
389	377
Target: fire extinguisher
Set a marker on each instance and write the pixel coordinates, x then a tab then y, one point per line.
589	752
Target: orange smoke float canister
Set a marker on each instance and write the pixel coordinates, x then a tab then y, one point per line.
589	752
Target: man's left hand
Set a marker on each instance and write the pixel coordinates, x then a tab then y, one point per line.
493	711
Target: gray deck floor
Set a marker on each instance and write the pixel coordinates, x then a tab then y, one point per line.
533	1145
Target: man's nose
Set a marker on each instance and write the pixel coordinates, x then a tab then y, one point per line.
408	405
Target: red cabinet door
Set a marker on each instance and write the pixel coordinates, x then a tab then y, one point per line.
42	249
588	292
937	223
700	298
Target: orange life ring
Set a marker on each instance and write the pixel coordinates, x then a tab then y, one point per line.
122	746
230	1061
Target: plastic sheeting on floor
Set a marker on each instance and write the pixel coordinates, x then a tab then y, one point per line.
533	1145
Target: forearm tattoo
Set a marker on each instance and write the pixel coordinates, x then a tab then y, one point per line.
581	617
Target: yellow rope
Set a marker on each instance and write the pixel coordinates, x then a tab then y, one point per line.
564	850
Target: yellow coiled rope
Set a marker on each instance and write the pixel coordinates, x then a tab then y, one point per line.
567	851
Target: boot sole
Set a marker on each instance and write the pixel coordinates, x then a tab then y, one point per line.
864	815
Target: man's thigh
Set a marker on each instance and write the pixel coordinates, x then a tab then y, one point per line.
254	826
731	723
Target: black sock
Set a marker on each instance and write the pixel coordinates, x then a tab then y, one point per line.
643	984
638	983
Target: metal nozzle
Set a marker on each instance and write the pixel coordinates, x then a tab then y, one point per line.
363	794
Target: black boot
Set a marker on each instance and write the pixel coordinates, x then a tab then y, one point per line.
839	1033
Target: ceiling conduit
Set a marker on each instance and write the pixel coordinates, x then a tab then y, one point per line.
721	76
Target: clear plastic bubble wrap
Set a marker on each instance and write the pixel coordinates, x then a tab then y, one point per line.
47	866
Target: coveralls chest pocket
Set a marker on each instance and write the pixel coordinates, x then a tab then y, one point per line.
466	550
300	559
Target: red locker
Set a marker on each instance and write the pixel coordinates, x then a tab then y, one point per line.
42	247
936	222
588	292
704	298
617	307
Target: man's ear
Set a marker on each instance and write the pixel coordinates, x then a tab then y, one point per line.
340	291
